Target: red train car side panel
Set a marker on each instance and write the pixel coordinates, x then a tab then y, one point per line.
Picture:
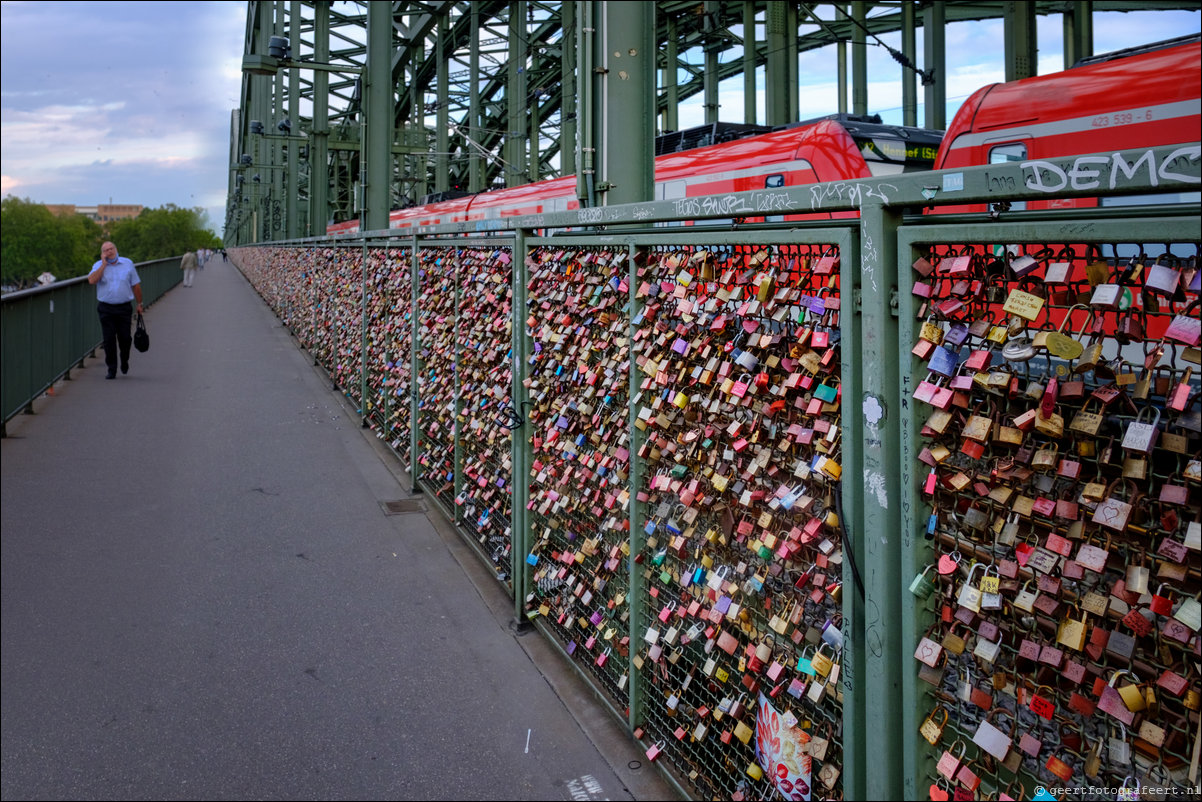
1144	100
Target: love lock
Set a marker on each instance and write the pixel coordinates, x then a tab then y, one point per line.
1018	349
1063	346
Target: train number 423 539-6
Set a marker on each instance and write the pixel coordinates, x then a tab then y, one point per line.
1122	118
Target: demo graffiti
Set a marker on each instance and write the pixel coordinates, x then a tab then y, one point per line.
1098	172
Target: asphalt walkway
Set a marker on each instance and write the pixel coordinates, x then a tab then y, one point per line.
203	598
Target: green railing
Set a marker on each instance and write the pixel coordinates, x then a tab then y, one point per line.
732	562
49	330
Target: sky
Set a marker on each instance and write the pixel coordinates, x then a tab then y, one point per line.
130	102
119	102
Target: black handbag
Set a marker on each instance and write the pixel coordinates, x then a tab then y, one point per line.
141	337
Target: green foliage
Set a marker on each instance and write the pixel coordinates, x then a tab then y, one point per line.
86	236
162	233
34	241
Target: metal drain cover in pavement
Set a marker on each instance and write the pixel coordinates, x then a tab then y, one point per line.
402	507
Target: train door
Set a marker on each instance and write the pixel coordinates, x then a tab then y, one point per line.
1009	152
669	190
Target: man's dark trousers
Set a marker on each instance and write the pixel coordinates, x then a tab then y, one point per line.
115	321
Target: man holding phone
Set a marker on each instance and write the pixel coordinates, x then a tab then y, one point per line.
117	287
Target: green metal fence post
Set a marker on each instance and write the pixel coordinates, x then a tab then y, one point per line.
456	396
851	513
520	446
313	305
637	512
880	688
414	360
362	342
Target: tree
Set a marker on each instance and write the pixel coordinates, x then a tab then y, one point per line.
86	236
162	233
34	241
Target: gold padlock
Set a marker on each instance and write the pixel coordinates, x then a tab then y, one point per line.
953	642
1152	704
1133	698
821	663
1093	763
1071	633
931	728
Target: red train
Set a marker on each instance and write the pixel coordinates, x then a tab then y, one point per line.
1142	97
1137	98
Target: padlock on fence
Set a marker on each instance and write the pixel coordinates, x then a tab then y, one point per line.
932	727
992	739
1141	436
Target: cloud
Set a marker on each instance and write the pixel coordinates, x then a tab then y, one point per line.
56	137
128	101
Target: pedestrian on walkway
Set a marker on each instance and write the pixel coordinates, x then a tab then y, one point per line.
188	265
117	287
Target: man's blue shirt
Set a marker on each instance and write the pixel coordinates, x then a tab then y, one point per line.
116	285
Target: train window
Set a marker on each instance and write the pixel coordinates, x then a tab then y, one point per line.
885	168
1011	152
774	181
1147	200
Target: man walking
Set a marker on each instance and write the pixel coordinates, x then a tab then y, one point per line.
188	265
117	287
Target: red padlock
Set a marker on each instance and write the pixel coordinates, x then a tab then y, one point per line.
1047	404
1042	707
1161	605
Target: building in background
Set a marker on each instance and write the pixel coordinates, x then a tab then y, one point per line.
102	213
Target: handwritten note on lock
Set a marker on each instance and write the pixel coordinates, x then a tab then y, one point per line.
1023	304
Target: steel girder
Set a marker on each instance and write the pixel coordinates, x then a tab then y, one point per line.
715	27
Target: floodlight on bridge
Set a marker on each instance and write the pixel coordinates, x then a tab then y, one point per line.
260	65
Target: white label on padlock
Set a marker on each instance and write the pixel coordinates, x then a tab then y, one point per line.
747	360
992	740
991	601
1137	579
1139	437
1190	614
970	597
1193	536
987	650
1105	296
